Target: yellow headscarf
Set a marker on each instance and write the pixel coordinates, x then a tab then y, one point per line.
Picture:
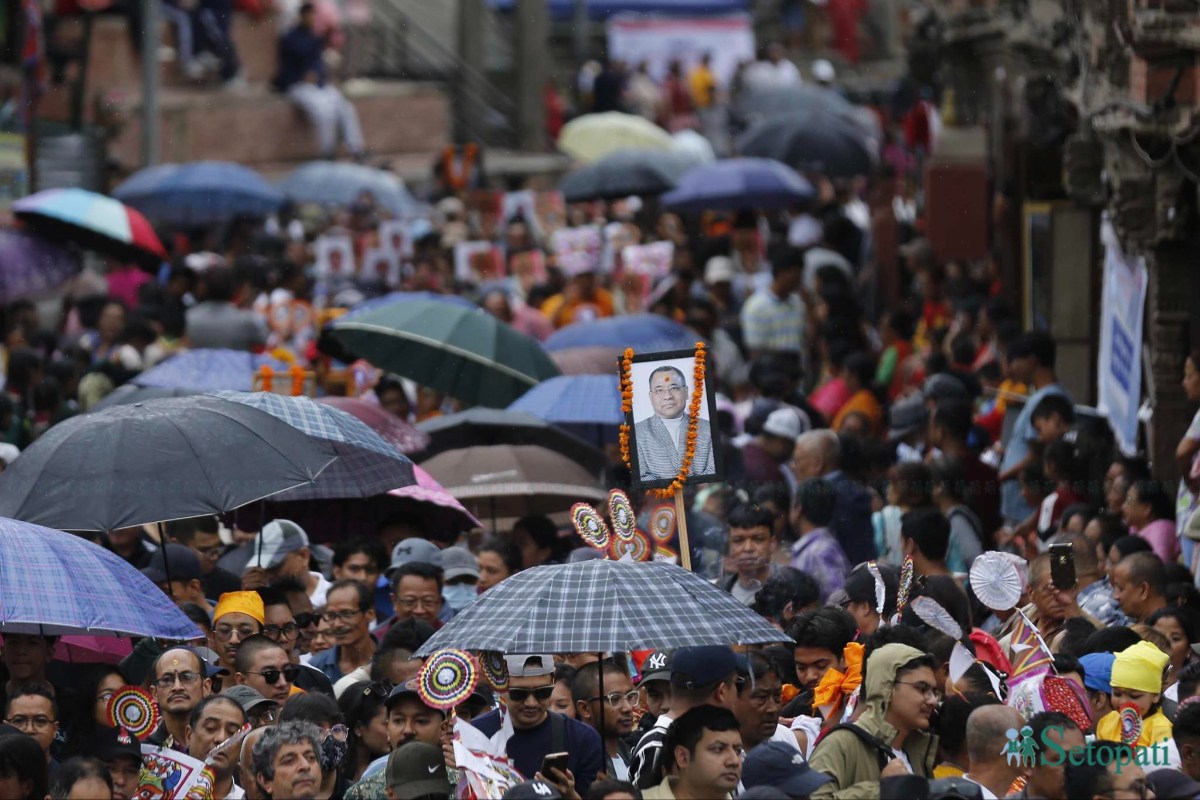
248	603
1139	668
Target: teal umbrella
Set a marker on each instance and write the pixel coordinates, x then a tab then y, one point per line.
464	352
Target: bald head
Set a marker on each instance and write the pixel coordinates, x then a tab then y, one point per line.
987	733
816	454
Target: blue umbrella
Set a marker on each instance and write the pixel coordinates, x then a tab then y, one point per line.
209	370
738	183
642	332
366	465
32	267
586	405
200	193
336	183
53	583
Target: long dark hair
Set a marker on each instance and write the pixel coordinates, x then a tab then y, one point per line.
84	726
360	703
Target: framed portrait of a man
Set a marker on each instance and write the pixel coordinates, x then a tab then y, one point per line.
663	387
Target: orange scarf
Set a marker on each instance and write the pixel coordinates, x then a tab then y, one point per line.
835	687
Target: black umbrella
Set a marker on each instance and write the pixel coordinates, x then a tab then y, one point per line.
484	426
155	461
625	173
759	103
811	142
131	393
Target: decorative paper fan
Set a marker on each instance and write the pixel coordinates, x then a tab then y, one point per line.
590	526
1131	723
906	579
880	588
447	679
932	614
636	548
1065	696
132	708
620	511
996	581
662	524
495	669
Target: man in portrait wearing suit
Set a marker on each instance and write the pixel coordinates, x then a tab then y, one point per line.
662	438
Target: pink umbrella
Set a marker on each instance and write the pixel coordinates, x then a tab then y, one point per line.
427	490
405	437
93	649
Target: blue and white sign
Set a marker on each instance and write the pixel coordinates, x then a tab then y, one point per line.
1120	371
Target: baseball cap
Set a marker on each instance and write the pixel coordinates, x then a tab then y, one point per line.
247	697
116	742
530	666
1168	783
1097	671
943	387
277	540
417	770
697	667
407	689
458	562
719	269
180	561
784	423
906	417
783	767
409	550
657	666
531	790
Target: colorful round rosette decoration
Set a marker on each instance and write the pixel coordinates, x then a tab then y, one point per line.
133	708
447	679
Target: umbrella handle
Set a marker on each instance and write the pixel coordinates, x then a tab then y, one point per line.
162	542
685	550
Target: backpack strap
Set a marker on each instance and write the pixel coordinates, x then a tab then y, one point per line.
882	751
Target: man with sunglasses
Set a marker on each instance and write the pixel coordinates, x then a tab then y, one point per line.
616	700
264	666
286	629
537	731
349	610
180	683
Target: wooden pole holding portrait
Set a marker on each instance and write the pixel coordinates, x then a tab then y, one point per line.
669	437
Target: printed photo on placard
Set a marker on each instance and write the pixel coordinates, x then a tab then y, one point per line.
334	257
381	266
649	259
477	262
577	249
662	385
394	238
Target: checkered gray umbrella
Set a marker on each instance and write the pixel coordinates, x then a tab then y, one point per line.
600	606
366	465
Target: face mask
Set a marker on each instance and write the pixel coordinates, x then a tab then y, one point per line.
333	753
459	595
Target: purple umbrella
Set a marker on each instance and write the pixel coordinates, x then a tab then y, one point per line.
32	267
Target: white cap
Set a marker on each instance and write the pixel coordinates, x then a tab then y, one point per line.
718	269
784	423
823	71
276	541
530	666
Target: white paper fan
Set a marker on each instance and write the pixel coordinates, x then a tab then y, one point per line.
932	614
880	587
996	581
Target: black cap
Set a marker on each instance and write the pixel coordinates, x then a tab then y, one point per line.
532	790
697	667
181	562
657	666
110	743
782	766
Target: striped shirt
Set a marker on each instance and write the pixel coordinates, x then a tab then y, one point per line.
773	324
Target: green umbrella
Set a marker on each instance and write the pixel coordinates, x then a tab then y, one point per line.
464	352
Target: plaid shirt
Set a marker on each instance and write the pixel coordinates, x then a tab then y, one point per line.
819	554
1097	599
773	324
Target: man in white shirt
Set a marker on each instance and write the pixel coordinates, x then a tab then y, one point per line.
993	767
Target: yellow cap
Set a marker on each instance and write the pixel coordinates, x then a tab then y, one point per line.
248	603
1139	668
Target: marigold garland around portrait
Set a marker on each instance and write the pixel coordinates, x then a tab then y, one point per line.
693	431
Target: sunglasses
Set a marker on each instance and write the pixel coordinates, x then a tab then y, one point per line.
271	676
541	694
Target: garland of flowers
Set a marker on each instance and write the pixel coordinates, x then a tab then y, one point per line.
693	431
458	180
295	371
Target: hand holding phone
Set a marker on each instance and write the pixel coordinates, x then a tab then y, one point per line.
1062	567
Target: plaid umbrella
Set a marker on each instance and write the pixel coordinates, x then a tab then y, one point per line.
208	370
366	464
102	595
600	606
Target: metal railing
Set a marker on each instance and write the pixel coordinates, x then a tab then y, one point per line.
400	48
